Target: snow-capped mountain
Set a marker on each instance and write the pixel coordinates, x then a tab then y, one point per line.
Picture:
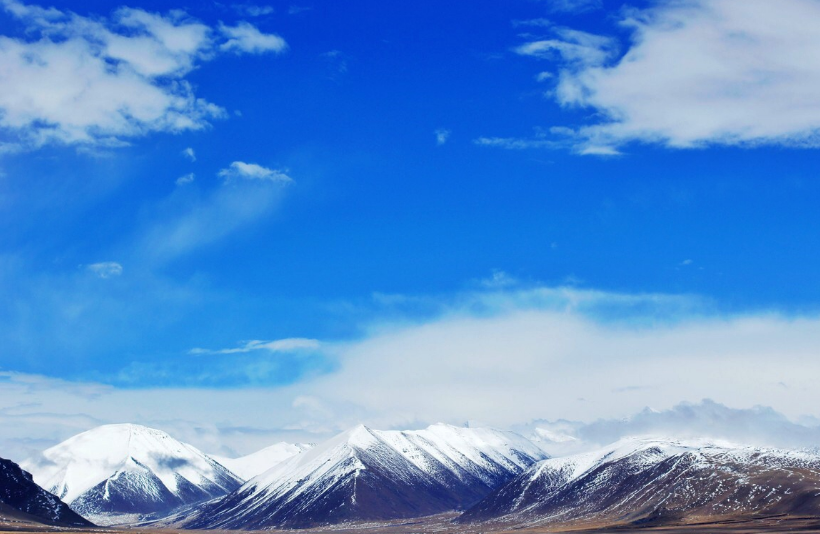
22	499
247	467
114	470
365	474
643	479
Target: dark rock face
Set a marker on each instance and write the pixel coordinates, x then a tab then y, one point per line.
19	493
657	485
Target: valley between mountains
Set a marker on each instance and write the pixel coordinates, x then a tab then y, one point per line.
440	479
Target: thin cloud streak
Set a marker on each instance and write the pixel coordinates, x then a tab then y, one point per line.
279	345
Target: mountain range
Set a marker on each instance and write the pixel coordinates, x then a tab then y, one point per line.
657	480
365	474
129	474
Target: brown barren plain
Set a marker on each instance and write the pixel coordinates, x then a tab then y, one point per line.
442	524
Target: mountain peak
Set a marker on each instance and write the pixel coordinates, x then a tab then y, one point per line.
127	467
361	436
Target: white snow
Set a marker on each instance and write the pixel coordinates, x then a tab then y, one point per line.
405	455
651	450
78	464
247	467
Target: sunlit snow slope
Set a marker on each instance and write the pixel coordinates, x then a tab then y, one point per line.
247	467
368	474
129	469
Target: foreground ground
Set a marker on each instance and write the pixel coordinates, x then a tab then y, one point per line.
441	524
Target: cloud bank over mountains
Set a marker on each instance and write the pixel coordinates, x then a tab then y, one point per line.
488	357
758	425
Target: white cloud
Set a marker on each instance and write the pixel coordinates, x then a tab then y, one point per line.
507	356
186	179
598	150
105	269
279	345
498	357
247	38
252	171
97	81
699	73
442	136
37	412
189	153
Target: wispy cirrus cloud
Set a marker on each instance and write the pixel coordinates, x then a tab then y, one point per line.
695	74
191	218
105	269
515	143
575	47
253	10
572	6
279	345
100	81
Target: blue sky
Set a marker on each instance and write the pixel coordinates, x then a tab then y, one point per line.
182	187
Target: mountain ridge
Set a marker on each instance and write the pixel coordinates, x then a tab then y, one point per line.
366	474
652	479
